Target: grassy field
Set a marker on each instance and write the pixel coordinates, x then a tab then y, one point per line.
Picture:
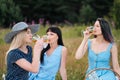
72	39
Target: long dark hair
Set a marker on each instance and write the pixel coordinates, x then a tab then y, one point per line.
106	31
60	41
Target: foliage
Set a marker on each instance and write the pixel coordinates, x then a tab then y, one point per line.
72	38
60	10
9	12
53	11
115	14
87	14
101	7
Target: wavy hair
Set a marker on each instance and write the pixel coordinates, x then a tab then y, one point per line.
17	42
106	31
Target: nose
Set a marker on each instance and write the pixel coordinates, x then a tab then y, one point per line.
31	35
48	36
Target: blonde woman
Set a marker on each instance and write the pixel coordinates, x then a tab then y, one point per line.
19	56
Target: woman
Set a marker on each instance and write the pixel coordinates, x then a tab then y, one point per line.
19	56
101	49
53	57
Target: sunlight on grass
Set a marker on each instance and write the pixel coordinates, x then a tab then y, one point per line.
72	38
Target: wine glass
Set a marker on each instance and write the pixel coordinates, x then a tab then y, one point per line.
35	37
45	40
90	29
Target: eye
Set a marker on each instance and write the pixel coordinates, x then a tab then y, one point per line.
97	26
29	32
51	34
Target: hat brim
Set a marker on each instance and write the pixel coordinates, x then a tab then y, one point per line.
34	28
9	36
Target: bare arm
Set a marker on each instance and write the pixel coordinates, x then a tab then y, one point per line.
83	46
34	66
81	49
63	72
115	63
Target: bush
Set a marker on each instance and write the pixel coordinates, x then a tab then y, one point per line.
87	14
115	13
9	12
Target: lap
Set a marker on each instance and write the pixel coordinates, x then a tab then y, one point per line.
102	75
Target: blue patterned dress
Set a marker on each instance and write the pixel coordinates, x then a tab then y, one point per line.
49	68
100	60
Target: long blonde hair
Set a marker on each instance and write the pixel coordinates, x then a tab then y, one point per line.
17	41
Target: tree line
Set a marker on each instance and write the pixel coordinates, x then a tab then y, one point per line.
57	11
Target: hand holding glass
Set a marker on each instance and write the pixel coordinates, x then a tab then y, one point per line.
90	29
36	37
46	40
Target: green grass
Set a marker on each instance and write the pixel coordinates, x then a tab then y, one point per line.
72	39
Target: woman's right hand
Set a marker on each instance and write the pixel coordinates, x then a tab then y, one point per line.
38	45
87	33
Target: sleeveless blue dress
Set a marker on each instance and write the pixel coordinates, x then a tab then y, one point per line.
100	60
49	68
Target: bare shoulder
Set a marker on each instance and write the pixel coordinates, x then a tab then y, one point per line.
114	47
64	48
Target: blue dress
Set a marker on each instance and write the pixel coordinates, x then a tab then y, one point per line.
49	68
100	60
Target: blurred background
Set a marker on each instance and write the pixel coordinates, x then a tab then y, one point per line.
58	11
71	16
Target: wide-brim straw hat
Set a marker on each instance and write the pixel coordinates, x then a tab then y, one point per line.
18	27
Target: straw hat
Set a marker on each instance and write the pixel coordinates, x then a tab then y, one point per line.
18	27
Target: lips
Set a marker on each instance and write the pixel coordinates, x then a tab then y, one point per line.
48	40
30	38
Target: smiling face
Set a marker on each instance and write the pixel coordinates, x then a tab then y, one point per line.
53	37
97	28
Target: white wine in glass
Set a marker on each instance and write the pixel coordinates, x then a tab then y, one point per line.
45	38
46	41
35	37
90	29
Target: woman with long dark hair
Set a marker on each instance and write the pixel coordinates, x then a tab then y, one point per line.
101	49
53	57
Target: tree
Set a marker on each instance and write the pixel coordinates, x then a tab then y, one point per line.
56	10
9	13
101	7
53	10
87	14
115	13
